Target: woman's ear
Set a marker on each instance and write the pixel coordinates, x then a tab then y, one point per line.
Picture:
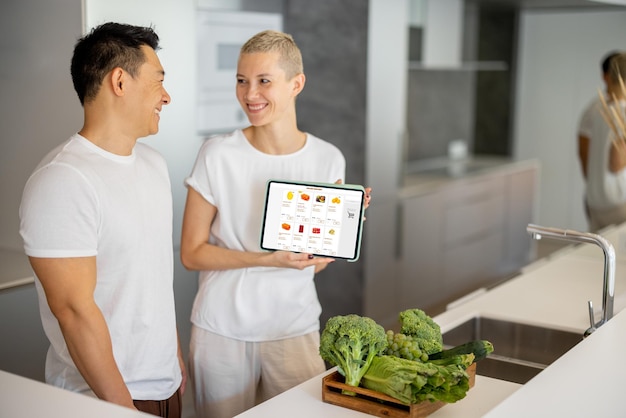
298	83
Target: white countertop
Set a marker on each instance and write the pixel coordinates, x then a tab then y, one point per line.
25	398
588	381
15	269
305	401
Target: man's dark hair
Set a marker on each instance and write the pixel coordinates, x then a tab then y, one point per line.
606	61
106	47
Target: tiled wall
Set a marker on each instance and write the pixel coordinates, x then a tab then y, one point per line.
333	38
465	103
440	108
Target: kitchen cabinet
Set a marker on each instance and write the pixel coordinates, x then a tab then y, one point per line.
24	344
464	233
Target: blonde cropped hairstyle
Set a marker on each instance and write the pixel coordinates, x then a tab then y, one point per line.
283	43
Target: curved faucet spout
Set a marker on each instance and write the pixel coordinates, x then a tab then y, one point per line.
608	284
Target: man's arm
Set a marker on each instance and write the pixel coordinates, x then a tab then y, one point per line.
69	284
617	156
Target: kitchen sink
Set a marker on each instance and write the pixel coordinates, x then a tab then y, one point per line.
521	351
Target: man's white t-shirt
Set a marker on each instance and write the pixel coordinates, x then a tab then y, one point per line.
260	303
83	201
603	188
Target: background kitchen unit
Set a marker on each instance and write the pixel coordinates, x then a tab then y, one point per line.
461	233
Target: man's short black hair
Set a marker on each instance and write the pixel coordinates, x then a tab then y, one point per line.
606	61
106	47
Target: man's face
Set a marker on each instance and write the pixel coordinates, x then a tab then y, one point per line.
147	94
263	90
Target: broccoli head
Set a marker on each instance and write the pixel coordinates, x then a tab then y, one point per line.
423	329
351	342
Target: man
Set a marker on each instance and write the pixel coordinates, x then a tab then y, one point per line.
601	158
96	219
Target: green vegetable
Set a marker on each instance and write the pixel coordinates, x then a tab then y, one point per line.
351	342
414	381
480	349
405	346
423	329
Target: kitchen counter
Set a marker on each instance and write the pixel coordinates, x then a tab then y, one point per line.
25	398
305	401
424	176
552	292
586	382
15	269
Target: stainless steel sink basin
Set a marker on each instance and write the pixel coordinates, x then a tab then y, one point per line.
520	351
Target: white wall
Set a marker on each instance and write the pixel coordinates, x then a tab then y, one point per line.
558	74
385	130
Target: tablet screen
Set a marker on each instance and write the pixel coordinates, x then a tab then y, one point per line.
318	218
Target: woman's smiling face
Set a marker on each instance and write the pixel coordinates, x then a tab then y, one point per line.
263	90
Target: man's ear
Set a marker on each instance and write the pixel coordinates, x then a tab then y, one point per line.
298	83
117	78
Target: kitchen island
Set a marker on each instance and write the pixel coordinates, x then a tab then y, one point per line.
553	292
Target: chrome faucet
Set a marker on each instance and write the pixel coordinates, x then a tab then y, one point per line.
608	286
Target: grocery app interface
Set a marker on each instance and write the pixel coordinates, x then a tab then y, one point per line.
313	219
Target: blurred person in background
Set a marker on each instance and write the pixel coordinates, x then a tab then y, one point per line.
602	155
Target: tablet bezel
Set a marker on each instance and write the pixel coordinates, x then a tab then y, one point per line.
359	234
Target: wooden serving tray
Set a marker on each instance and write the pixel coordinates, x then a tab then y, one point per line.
376	403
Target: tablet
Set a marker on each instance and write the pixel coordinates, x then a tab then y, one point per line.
322	219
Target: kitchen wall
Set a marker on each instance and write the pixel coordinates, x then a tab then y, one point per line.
471	101
38	110
38	106
331	35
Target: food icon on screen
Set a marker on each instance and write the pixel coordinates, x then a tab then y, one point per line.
301	229
331	231
286	226
289	195
316	230
305	197
320	198
336	200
